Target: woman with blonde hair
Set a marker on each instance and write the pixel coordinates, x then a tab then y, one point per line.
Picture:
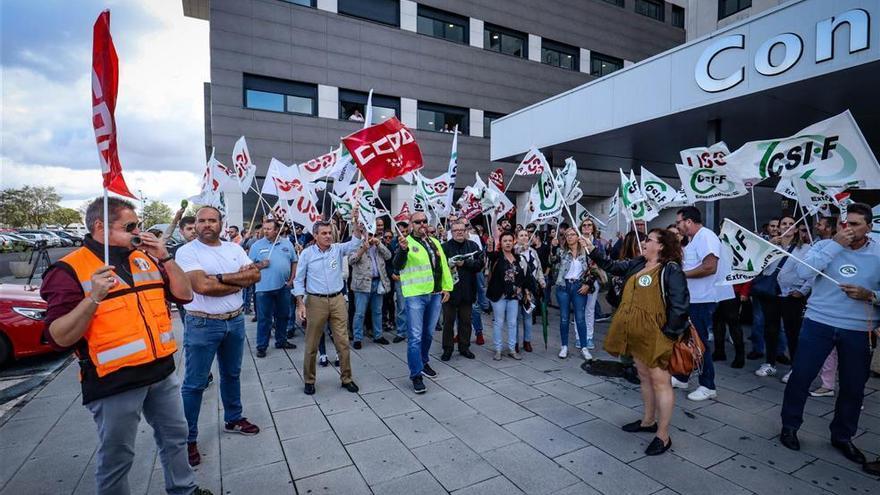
575	281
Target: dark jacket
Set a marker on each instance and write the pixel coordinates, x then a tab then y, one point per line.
465	290
496	286
674	286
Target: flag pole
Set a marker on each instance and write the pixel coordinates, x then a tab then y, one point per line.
818	272
393	222
803	216
106	228
754	210
806	212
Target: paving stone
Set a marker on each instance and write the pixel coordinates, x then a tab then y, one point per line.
390	402
453	464
622	393
821	448
684	420
685	477
280	399
383	459
605	473
612	440
356	425
346	480
479	432
272	478
25	434
527	375
769	452
556	411
579	488
515	390
421	483
40	407
292	423
463	387
543	435
697	450
499	408
314	453
47	475
835	479
417	428
761	479
737	384
478	371
240	452
566	392
442	405
610	411
337	400
576	376
371	381
529	470
744	402
498	485
759	424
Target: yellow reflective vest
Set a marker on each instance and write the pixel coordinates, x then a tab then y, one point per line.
416	277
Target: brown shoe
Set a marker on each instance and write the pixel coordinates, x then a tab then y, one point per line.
192	449
242	426
527	346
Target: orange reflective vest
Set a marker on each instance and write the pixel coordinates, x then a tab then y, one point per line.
132	325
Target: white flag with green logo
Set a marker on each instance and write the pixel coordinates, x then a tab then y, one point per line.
582	214
342	206
545	199
832	151
657	190
635	204
786	188
568	183
710	184
366	209
747	254
814	197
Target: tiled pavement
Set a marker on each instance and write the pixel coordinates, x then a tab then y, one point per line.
539	426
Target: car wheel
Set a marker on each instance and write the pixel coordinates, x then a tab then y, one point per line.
5	351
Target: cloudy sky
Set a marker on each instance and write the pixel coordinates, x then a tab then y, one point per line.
46	136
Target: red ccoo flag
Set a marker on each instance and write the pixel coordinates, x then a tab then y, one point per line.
105	84
384	151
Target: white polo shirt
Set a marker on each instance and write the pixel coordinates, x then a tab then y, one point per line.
228	257
704	243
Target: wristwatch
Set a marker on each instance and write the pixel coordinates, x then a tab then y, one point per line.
165	259
220	278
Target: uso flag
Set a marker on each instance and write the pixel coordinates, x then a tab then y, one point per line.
384	151
105	83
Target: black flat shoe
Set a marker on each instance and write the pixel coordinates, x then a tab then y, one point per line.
309	389
446	356
351	387
850	451
285	345
656	447
467	354
636	426
398	338
789	438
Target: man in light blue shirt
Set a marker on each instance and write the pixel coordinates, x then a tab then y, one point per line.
319	300
839	315
276	258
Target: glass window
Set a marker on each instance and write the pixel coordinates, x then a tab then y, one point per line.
618	3
505	41
442	118
651	8
280	95
440	24
488	117
559	55
602	65
677	16
730	7
352	106
383	11
304	3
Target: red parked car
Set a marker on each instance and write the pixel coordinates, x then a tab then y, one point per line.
21	323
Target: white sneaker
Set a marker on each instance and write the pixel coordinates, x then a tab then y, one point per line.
586	353
563	352
784	378
676	383
702	393
822	392
766	369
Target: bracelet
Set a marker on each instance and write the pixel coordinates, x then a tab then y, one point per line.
165	259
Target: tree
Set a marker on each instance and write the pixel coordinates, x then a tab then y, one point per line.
156	212
66	216
28	205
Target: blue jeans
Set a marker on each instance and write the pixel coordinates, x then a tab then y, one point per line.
569	300
477	319
757	336
504	313
247	294
422	312
400	308
482	300
526	319
374	300
202	340
701	316
854	358
272	305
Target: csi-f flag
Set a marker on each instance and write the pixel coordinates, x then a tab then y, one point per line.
710	184
545	199
747	253
832	151
634	202
657	190
614	207
533	163
342	206
384	151
568	183
814	197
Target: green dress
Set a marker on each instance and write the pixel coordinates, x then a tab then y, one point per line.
637	324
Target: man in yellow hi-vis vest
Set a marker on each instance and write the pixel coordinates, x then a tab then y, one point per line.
425	281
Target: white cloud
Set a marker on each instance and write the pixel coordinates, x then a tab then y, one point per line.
47	138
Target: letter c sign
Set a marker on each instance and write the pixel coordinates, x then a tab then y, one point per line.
702	74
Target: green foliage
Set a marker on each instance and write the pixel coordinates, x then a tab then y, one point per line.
156	212
28	206
65	216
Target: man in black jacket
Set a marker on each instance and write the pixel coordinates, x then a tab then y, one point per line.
465	260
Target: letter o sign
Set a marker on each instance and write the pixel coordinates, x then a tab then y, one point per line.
793	46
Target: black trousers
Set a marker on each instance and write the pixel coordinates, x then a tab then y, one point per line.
792	310
771	306
462	314
726	318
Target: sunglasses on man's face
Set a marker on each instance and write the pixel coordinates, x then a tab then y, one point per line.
129	227
417	222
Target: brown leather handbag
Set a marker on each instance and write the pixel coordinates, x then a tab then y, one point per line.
687	353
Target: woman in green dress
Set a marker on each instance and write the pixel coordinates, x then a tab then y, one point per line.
653	314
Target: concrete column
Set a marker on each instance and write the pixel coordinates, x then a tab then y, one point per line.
409	112
234	208
585	61
328	102
534	48
408	15
328	5
400	193
476	122
476	34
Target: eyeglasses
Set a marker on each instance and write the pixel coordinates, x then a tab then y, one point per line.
459	231
416	222
129	227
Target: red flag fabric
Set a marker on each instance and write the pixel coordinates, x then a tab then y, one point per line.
384	151
404	214
105	84
497	178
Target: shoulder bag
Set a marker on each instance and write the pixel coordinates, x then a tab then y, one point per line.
687	352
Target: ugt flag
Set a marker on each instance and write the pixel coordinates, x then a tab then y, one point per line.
384	151
105	84
747	253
